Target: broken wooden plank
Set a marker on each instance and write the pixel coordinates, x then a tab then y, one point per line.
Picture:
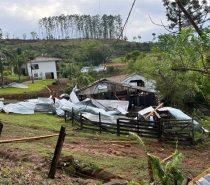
27	139
167	158
148	115
199	176
123	142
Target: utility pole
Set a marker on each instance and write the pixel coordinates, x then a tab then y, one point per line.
32	77
1	62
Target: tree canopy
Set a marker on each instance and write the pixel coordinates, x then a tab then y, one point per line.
198	10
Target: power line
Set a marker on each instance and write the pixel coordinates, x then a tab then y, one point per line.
99	7
121	31
115	43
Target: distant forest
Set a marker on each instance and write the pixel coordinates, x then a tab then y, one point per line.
80	26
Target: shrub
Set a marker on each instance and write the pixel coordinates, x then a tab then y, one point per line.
110	68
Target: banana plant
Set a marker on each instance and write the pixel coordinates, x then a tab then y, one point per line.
166	175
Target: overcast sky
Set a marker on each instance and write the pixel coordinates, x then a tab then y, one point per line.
21	16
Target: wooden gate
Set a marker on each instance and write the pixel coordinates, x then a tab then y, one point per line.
142	128
180	130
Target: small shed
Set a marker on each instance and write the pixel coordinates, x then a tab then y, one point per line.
135	80
106	89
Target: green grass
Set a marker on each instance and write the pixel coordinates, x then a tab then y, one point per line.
15	77
118	59
20	126
32	87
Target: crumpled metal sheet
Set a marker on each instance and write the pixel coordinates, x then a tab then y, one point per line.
203	180
1	106
20	108
178	114
17	85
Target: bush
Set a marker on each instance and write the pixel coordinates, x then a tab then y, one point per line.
67	89
56	82
7	73
110	69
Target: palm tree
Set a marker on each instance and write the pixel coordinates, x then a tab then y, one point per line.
29	56
17	60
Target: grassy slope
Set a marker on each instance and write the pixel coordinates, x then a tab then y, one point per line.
32	87
20	126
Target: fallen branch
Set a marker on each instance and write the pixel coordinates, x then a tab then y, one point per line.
185	69
27	139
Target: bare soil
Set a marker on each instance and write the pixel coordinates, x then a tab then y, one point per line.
15	163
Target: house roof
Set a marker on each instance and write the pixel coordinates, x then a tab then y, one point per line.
45	59
120	78
93	88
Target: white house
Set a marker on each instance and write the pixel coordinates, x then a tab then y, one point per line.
44	68
95	68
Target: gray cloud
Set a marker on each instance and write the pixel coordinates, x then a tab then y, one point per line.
22	16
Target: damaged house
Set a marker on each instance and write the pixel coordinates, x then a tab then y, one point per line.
131	88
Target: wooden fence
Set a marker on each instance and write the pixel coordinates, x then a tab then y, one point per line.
181	130
162	129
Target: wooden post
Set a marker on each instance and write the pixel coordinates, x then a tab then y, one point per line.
118	127
160	123
192	125
1	127
81	122
65	116
99	122
72	117
57	153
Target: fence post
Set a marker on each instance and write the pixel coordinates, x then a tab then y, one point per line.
1	127
118	127
99	122
160	129
81	122
65	116
193	141
57	152
72	117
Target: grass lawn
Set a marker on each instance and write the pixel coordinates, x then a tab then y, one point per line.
118	59
32	87
15	77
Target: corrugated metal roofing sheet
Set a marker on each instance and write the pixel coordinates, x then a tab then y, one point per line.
203	180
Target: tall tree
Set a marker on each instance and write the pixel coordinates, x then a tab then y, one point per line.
198	10
29	56
17	60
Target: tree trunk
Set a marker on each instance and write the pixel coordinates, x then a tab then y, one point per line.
189	17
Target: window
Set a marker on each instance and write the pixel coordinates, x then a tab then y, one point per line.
35	66
36	75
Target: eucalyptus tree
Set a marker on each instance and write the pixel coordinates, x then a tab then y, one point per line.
34	35
81	26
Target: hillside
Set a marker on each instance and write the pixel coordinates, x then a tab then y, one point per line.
63	47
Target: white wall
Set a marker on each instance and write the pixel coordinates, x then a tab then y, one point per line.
44	67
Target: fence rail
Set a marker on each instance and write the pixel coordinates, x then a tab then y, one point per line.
162	129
